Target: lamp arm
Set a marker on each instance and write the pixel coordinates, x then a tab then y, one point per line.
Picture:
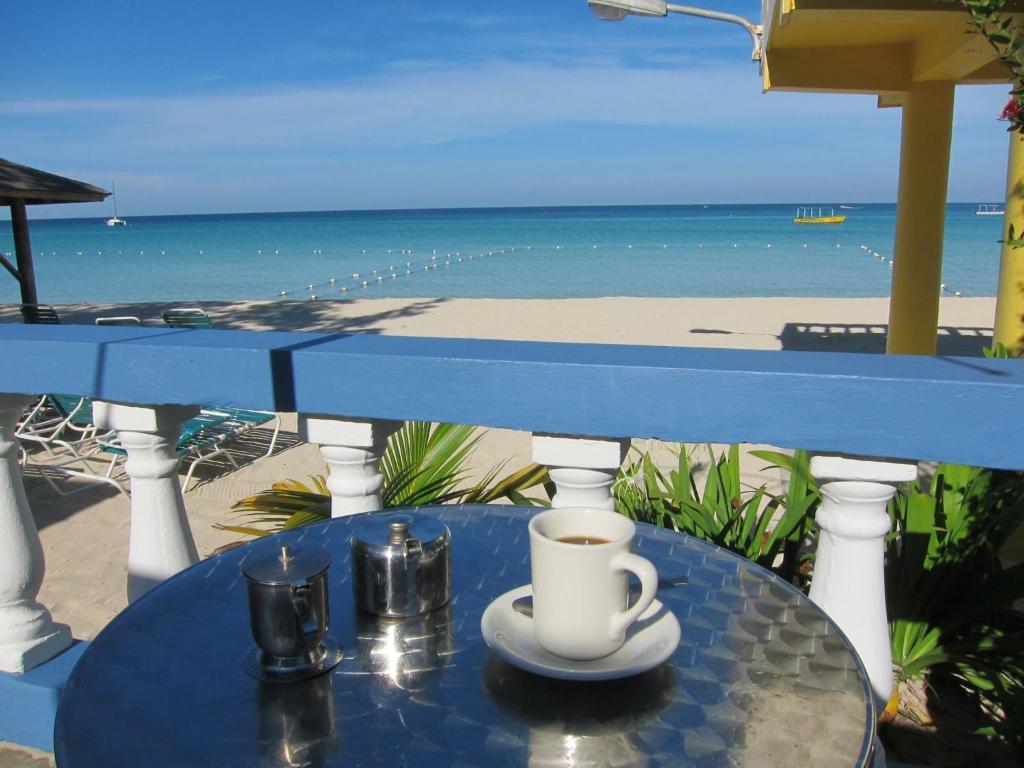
755	30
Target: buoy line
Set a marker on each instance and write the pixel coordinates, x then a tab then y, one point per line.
943	287
365	280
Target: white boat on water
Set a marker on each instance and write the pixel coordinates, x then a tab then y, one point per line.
115	222
989	209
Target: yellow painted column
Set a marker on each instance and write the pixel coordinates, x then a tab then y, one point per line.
1009	324
920	219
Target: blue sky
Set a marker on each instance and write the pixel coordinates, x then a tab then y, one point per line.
230	106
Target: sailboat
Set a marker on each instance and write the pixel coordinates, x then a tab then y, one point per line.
115	222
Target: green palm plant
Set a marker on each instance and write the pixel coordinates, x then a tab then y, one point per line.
949	597
422	464
749	521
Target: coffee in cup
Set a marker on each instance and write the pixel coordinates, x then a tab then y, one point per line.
580	561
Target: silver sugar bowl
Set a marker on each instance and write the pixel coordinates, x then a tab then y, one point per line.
401	565
289	615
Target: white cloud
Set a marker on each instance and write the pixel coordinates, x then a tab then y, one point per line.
437	105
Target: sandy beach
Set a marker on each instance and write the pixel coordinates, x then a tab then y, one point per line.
791	323
85	536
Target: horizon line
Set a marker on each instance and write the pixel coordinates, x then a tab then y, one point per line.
448	209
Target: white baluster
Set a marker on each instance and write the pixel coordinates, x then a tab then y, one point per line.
161	542
849	574
352	449
581	468
28	634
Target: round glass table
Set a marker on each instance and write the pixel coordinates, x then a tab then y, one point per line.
761	676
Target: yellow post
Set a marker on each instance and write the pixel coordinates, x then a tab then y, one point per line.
1010	298
920	219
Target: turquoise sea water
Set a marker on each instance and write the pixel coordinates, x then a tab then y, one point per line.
718	250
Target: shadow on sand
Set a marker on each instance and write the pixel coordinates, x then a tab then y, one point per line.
866	337
332	315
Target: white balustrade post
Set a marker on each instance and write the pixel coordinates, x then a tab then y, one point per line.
28	634
352	449
161	542
849	573
582	469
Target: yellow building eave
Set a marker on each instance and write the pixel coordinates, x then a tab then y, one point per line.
873	46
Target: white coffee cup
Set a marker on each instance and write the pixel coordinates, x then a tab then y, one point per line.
580	591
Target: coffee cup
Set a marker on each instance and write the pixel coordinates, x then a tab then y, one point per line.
580	561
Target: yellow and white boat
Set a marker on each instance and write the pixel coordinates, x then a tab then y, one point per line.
817	216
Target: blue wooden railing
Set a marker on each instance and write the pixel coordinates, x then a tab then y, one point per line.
967	410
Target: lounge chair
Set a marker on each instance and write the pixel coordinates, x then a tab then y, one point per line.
66	442
187	317
195	318
40	314
65	422
119	320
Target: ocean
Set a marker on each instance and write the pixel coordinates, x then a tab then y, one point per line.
694	250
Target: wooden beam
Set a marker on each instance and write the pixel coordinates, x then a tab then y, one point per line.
23	252
10	267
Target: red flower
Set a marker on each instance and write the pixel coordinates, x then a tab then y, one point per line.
1012	110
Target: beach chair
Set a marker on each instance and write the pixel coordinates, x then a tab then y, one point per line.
187	317
195	318
64	442
63	426
39	314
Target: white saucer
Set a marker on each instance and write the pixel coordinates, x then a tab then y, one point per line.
651	640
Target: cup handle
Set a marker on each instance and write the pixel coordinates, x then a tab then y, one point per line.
304	612
648	575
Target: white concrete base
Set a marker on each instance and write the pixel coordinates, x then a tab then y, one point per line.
161	542
28	634
582	468
352	449
849	573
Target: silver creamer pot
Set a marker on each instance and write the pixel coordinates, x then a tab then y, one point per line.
289	615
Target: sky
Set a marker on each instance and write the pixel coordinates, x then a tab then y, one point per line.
239	106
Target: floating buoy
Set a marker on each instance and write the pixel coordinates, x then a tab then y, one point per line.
365	283
629	246
942	286
313	297
332	279
768	246
285	293
958	294
309	287
344	289
737	245
355	275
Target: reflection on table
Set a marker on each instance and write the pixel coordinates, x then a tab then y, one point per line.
761	677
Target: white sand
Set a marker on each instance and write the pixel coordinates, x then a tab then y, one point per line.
85	536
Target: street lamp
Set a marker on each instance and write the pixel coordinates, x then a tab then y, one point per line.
616	10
